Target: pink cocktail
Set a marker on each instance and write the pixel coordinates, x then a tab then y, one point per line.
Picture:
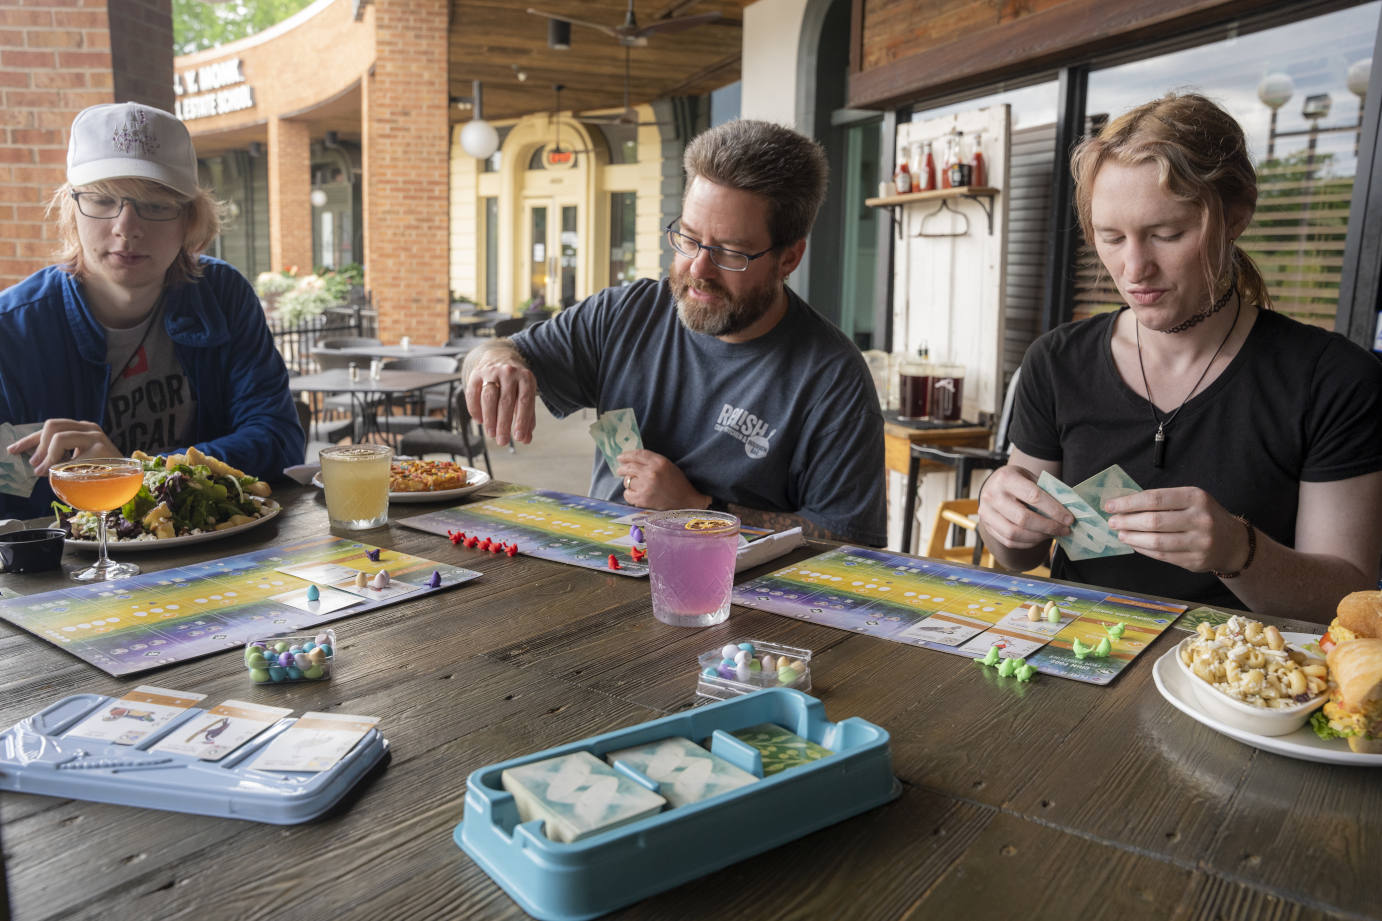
691	556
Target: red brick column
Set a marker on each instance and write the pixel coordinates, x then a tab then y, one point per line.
406	214
290	185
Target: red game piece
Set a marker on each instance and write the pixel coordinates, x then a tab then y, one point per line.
638	555
456	536
613	561
497	547
485	544
513	550
471	541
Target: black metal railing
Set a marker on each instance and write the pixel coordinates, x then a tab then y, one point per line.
295	340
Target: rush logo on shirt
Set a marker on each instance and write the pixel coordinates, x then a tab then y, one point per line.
754	432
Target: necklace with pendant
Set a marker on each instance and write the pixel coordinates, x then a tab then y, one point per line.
1159	442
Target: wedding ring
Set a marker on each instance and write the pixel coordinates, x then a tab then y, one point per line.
489	384
627	481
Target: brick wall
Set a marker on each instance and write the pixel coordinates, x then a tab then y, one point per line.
141	50
405	170
290	185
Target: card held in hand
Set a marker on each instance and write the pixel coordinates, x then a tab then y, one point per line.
1090	536
16	475
615	432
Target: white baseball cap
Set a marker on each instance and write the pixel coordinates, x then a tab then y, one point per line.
126	140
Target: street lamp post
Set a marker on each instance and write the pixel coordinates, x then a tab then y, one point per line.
1274	91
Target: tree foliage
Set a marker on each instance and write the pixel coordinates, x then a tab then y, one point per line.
198	24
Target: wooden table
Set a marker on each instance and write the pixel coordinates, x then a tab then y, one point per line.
1050	800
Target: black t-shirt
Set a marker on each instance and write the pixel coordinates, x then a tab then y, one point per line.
1297	403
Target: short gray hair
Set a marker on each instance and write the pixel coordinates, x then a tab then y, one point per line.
788	169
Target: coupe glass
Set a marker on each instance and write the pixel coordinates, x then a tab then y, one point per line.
99	485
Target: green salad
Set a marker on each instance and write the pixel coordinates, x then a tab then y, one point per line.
181	495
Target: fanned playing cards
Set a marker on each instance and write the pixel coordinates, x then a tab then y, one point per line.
615	432
16	476
1090	536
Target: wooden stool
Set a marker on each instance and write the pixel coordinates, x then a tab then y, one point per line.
962	513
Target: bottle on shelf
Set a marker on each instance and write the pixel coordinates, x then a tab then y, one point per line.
978	169
959	169
914	161
902	178
927	173
947	157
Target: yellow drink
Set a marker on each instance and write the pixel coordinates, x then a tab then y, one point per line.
356	478
96	487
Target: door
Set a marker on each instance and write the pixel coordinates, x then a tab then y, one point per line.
553	249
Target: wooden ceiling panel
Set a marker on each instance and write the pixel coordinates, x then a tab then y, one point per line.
495	41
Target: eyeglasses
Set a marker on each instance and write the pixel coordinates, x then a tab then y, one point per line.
108	207
730	260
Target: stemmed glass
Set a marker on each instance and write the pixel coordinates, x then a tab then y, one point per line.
99	485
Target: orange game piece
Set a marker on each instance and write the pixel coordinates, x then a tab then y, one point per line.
613	561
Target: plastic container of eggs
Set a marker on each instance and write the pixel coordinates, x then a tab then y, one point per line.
291	659
750	665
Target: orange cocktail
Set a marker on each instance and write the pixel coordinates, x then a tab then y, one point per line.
99	485
96	487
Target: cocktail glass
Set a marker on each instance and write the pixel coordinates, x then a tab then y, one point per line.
356	478
99	485
691	555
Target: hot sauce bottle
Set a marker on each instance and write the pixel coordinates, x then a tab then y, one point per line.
947	155
978	169
902	179
927	174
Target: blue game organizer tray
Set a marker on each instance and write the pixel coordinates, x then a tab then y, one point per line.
554	881
37	756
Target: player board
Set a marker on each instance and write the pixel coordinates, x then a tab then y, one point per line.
156	618
924	602
576	530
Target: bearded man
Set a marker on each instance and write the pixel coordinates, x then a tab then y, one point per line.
747	399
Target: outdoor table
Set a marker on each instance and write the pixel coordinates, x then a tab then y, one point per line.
1049	800
367	352
367	391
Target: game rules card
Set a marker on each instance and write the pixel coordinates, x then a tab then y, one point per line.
136	716
221	730
314	743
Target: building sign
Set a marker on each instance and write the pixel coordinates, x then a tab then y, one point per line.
215	89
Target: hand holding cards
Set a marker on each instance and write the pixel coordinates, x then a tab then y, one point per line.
1091	536
616	432
17	477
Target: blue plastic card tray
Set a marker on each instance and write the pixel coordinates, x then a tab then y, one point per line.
38	756
586	878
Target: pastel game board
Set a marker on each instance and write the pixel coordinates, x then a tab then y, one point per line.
173	615
954	609
576	530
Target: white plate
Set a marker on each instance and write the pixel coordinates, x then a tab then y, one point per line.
1245	716
474	479
1302	744
271	510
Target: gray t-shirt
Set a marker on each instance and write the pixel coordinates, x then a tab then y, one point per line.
149	405
787	422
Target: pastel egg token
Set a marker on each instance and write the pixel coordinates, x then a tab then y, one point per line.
313	593
729	651
361	580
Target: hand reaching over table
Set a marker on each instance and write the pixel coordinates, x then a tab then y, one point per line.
64	439
501	392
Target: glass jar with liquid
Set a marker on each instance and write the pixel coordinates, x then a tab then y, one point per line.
914	386
947	390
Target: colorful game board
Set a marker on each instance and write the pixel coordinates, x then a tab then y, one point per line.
157	618
576	530
963	611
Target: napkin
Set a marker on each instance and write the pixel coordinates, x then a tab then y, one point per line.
302	473
768	548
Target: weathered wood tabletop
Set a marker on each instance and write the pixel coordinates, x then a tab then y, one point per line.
1054	799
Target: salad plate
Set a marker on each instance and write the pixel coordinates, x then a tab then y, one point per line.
123	545
1174	684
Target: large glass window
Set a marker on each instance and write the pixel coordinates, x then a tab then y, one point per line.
1297	90
622	211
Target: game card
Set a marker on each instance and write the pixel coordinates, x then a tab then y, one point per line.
1010	645
320	573
941	629
136	716
1090	536
368	591
8	592
17	477
221	730
1017	620
314	743
328	599
615	432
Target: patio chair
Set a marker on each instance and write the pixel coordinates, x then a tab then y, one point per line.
460	439
507	327
434	398
337	404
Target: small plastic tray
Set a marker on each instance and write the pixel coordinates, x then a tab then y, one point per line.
556	881
719	686
293	673
37	756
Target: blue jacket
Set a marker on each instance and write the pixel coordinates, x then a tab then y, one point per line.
53	365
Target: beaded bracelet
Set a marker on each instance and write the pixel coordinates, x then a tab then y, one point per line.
1252	552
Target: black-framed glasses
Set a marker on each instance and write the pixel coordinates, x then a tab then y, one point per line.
108	207
731	260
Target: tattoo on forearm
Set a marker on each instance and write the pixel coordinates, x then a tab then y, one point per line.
781	521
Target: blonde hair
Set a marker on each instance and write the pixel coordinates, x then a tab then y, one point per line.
1202	158
201	223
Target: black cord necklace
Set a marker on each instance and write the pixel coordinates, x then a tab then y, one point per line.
153	318
1159	443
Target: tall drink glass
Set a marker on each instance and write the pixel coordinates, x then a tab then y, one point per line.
691	556
99	485
356	478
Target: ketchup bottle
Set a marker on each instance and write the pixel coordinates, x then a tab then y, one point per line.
927	176
978	169
902	179
946	157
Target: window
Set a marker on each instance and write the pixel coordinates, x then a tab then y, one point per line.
622	211
1297	92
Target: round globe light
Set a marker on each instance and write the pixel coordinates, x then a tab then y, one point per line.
318	198
1358	74
479	139
1276	90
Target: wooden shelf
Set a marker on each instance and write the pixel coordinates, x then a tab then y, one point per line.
975	193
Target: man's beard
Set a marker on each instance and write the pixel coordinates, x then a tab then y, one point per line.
736	314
